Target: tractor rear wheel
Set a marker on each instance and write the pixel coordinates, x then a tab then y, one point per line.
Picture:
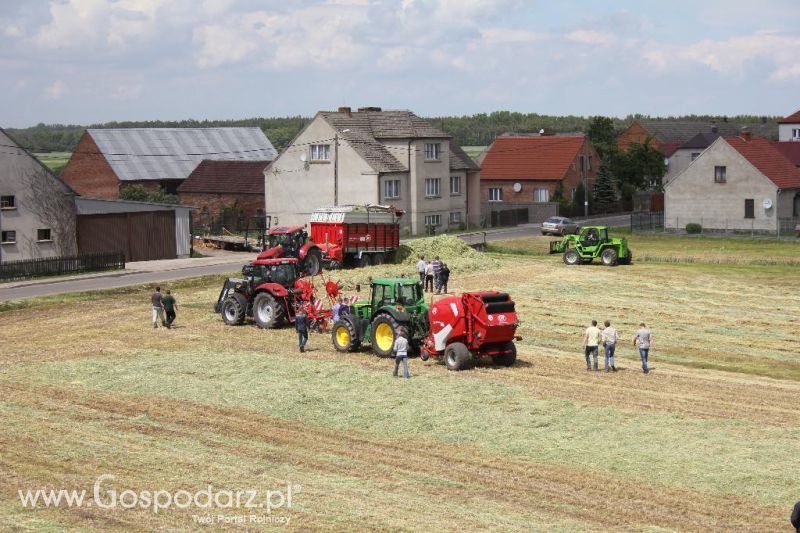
312	264
384	332
266	311
234	309
508	358
456	356
571	256
609	257
627	259
365	261
344	336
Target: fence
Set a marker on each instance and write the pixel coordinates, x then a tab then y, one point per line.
656	222
647	221
53	266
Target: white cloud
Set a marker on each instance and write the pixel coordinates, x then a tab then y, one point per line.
126	91
55	91
590	37
492	36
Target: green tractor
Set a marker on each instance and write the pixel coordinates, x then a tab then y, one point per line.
591	243
394	303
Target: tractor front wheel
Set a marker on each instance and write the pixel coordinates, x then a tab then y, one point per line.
571	256
456	356
509	357
344	336
234	309
384	332
627	259
609	257
266	311
313	262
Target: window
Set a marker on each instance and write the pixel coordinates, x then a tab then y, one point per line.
433	151
796	134
589	164
320	152
8	237
495	194
572	194
749	208
391	189
694	155
455	217
432	187
43	235
585	162
455	185
8	202
719	174
541	195
433	220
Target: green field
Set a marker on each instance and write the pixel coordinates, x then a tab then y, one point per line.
55	161
474	151
709	441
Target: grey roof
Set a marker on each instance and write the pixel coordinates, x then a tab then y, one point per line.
173	153
680	131
701	140
367	128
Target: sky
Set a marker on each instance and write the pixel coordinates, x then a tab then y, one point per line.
92	61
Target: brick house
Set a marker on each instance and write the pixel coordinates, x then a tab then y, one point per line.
668	135
524	171
225	188
107	160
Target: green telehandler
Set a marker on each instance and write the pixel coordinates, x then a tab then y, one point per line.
593	242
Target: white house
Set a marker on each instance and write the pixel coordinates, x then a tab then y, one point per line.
789	127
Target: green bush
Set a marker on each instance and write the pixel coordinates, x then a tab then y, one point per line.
693	228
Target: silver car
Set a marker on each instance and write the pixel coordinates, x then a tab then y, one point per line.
559	226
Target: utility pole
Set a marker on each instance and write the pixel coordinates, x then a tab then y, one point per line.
584	171
336	169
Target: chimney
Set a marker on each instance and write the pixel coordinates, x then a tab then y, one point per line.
346	110
746	134
714	128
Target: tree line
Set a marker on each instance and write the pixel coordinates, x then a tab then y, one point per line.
468	130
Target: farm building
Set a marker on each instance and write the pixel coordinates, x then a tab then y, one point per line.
225	192
37	210
520	175
739	183
372	156
107	160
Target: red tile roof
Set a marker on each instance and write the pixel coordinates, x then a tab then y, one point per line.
231	177
530	158
768	160
794	118
790	150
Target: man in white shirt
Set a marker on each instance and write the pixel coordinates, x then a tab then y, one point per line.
591	341
400	350
610	339
421	268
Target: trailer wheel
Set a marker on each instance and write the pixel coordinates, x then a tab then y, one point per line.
344	336
364	261
384	332
508	358
377	259
571	256
313	262
456	356
266	311
234	309
609	257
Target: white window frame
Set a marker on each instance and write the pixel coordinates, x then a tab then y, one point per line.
720	174
455	217
433	151
796	134
433	220
387	186
498	197
538	192
433	187
8	241
4	200
49	233
319	152
455	180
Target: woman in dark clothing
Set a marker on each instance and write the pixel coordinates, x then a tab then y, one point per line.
444	276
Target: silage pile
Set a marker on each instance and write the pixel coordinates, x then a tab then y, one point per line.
451	250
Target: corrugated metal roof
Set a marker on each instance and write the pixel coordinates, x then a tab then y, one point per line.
173	153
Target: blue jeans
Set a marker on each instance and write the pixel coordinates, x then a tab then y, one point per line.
593	351
302	338
643	354
397	360
609	351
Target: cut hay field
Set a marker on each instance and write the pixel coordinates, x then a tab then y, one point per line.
55	161
709	441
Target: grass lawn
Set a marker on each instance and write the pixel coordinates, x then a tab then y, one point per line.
55	161
709	441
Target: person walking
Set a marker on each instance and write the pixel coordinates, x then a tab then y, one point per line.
400	350
591	340
421	265
158	308
170	306
610	338
645	340
444	277
301	325
437	274
429	277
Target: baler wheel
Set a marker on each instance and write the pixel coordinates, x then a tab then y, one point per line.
234	309
456	356
508	358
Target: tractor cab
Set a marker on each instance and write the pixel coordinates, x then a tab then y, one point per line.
397	292
593	235
281	271
287	240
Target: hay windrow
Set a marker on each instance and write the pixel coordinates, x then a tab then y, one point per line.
455	252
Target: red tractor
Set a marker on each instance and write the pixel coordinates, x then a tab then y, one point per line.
293	241
473	325
270	291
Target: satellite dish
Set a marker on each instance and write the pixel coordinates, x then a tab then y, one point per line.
517	187
541	131
303	157
767	203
